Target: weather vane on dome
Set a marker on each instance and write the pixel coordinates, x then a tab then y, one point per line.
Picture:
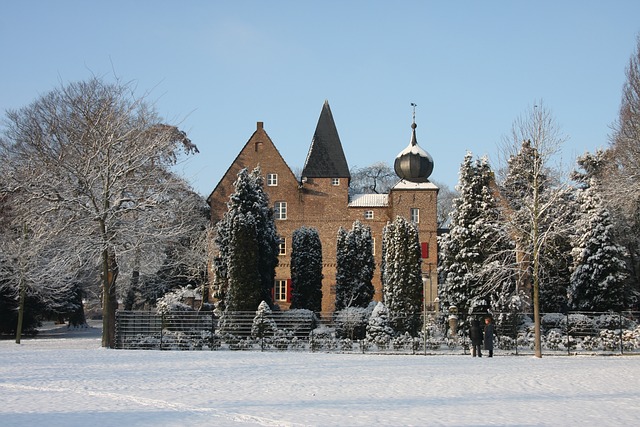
414	105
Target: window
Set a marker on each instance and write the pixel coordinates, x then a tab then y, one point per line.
415	215
373	246
335	181
280	290
272	179
281	210
258	146
368	214
282	248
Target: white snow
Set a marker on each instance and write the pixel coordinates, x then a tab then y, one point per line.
68	380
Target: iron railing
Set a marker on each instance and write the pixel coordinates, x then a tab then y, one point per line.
568	333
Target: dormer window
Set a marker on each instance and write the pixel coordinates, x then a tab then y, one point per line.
335	181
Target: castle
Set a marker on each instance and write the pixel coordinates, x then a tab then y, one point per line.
320	199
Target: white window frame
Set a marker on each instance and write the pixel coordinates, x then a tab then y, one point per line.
415	215
272	180
373	246
282	247
368	214
280	290
280	210
335	181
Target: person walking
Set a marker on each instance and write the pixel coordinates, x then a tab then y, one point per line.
488	335
475	334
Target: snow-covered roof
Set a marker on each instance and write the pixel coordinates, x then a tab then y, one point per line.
403	184
369	200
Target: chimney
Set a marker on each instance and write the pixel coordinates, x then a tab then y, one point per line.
260	125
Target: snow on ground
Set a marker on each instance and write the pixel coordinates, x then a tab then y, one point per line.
64	378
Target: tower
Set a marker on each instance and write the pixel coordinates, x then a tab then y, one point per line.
414	197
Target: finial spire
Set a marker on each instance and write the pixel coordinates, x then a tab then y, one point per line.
414	105
414	140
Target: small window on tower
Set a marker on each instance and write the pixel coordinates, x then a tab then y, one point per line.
415	215
335	181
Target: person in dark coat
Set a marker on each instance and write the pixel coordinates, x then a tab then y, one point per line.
475	334
488	335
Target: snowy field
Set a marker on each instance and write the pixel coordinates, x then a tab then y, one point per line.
65	379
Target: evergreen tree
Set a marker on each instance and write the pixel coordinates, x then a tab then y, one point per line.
355	266
245	292
401	275
475	242
306	269
263	325
247	244
379	330
599	273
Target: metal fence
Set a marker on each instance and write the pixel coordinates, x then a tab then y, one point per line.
300	330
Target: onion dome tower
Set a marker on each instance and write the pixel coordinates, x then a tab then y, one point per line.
413	163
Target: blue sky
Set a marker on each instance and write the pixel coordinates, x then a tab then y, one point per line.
215	68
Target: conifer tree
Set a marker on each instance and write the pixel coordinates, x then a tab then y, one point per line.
470	269
247	242
355	266
306	269
401	275
599	272
379	330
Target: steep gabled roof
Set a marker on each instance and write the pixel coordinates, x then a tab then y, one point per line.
326	158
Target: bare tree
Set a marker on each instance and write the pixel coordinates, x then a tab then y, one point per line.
532	194
622	174
375	179
445	203
98	153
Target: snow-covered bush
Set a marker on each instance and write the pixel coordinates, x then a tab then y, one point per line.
506	343
172	301
351	322
610	340
590	343
378	331
554	340
553	321
405	342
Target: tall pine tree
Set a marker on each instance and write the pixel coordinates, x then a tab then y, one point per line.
599	272
248	244
401	275
474	241
306	269
355	267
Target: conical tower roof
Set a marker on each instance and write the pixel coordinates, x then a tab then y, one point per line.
326	158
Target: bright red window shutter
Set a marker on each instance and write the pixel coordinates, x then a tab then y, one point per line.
425	249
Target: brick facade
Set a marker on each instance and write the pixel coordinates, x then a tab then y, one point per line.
323	203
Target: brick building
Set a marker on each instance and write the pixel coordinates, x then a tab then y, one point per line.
320	199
